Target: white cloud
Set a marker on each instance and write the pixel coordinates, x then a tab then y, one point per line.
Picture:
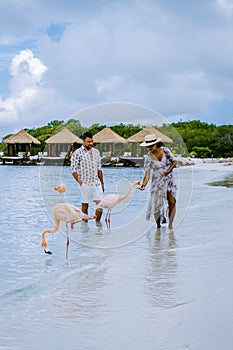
172	58
108	84
225	6
8	112
27	72
143	56
25	63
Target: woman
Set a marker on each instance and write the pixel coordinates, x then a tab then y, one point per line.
159	163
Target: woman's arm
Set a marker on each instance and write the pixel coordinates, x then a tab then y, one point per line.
145	180
172	166
172	160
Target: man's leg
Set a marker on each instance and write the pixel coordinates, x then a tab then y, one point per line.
98	212
97	198
85	208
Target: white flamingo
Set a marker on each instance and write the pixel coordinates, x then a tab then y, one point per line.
111	200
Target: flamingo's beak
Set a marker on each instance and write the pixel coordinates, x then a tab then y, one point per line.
47	251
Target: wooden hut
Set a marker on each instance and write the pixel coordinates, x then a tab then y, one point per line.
20	144
139	137
62	143
111	142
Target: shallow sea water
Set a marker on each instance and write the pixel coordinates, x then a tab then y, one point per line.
131	288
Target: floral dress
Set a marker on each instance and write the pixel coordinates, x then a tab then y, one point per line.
160	184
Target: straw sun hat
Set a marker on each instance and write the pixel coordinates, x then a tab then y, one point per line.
150	140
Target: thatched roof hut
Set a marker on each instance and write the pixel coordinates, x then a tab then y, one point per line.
107	135
20	142
62	142
139	136
111	142
65	136
21	137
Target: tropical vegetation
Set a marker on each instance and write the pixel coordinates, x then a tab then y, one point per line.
194	138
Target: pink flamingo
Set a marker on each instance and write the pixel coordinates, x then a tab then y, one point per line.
64	212
111	200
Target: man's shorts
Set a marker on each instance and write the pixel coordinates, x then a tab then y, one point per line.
90	193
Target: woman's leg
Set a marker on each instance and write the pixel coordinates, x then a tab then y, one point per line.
157	219
171	208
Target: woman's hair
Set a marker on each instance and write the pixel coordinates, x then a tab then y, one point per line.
159	144
87	134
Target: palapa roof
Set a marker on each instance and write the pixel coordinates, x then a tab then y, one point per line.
107	135
139	136
21	137
64	136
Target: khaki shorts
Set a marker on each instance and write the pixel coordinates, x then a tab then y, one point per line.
90	193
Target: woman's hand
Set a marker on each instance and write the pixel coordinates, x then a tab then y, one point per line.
141	188
165	173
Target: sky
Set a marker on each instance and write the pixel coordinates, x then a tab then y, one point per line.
61	58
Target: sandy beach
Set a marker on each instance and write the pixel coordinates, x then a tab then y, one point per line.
226	166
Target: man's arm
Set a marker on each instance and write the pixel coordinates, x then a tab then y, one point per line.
100	176
77	178
74	162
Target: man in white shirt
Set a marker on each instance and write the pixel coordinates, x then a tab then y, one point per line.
86	169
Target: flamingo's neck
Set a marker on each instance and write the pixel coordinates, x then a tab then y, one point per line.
121	198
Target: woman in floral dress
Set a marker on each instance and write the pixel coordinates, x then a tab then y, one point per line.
159	163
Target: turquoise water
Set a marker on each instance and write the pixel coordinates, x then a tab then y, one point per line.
131	288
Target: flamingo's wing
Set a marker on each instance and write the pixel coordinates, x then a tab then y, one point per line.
110	200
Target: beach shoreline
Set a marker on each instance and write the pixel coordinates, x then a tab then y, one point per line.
208	165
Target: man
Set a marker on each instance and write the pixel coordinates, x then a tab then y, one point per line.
86	169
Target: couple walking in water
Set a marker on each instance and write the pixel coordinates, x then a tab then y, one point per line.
86	170
159	163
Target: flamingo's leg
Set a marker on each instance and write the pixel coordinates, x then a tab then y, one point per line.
107	219
73	222
67	240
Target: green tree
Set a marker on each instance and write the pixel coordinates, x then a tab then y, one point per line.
126	130
3	147
53	124
196	133
75	127
95	128
178	146
223	142
202	152
40	132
